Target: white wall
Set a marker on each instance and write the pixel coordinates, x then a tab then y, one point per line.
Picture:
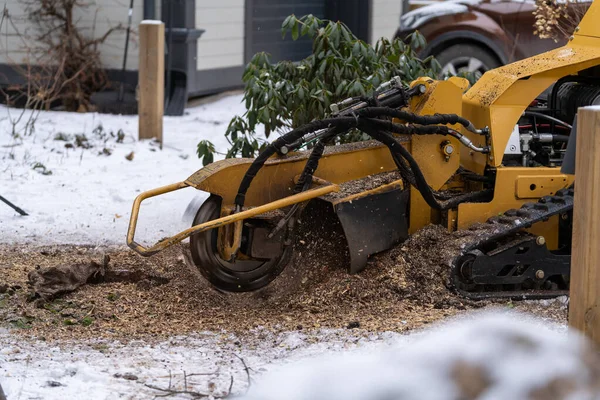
111	13
94	21
385	18
222	45
15	33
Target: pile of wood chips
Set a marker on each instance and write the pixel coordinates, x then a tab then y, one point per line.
400	290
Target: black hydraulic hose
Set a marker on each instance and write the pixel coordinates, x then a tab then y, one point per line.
374	112
420	181
560	138
317	152
395	147
340	123
306	176
313	160
389	126
311	166
344	123
547	117
408	178
472	176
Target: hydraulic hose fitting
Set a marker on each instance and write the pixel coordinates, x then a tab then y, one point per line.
467	142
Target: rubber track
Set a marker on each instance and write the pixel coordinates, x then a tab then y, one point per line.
511	222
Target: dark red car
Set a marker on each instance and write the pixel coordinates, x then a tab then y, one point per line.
476	35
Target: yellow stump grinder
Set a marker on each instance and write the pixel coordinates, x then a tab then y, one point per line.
495	161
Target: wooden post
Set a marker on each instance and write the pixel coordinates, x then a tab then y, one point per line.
584	306
151	80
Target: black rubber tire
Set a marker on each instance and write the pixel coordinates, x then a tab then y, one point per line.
239	276
460	53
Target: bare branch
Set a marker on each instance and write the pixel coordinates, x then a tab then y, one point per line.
247	369
171	392
230	387
63	65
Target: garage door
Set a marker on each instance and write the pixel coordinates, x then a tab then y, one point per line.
263	29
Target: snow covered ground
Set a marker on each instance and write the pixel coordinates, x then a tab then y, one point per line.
494	356
83	196
211	360
489	356
88	195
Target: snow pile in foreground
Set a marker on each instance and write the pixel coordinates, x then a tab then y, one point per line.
494	356
78	173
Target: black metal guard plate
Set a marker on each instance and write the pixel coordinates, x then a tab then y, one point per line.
373	223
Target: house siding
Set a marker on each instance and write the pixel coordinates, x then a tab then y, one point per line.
93	21
221	50
222	44
385	18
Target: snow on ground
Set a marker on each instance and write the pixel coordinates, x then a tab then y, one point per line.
87	371
87	197
492	356
503	355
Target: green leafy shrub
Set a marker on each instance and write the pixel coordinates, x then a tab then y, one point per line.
284	95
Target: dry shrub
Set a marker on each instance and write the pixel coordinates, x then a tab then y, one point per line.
63	65
557	20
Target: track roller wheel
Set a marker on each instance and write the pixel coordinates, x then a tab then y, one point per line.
462	273
241	275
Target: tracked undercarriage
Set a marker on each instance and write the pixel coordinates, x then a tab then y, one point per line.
500	260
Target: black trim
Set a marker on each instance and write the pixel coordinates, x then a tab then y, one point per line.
471	36
184	13
149	9
10	76
209	81
248	31
568	164
130	78
263	28
370	29
356	14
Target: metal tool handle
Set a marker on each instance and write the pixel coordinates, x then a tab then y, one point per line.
215	223
135	211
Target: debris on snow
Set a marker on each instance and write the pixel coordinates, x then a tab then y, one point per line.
204	362
49	282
